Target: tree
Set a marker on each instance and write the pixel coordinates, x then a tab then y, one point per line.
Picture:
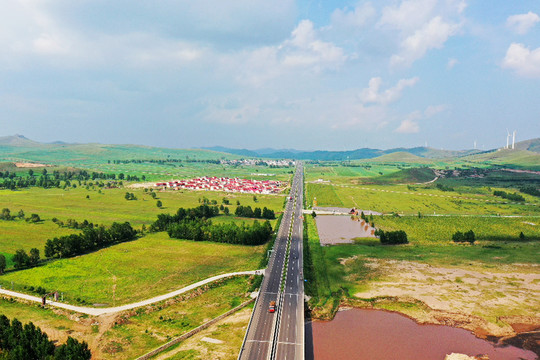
34	257
73	350
226	211
521	236
21	259
2	264
6	214
20	215
31	172
34	218
313	214
159	204
153	195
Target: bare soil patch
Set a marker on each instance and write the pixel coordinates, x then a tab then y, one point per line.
30	165
491	303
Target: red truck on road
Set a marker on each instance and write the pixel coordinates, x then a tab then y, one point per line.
272	307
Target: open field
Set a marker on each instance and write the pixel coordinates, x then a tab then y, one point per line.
136	270
147	330
410	199
132	334
110	205
103	208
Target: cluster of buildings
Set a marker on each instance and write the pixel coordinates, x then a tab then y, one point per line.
252	162
225	184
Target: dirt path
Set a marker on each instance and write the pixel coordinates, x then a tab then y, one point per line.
112	310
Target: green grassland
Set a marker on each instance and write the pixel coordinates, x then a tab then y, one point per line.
515	159
136	270
413	199
430	242
439	229
147	331
340	174
102	208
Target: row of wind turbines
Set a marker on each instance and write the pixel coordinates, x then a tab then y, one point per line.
508	135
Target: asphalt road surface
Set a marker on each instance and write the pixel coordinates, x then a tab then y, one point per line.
280	335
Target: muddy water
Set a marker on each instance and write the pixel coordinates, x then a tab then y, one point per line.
378	335
340	229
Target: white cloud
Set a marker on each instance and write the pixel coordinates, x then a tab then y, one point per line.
411	125
371	94
353	18
408	15
408	126
432	35
451	63
522	23
522	60
304	49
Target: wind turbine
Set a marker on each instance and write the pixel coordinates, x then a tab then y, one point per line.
507	139
514	140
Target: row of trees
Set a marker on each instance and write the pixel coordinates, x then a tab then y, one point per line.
6	215
90	239
509	196
257	213
531	190
204	230
200	212
18	342
73	224
163	161
13	180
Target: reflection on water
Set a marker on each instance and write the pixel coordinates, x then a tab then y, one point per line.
379	335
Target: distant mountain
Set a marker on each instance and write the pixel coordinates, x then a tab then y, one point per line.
324	155
18	140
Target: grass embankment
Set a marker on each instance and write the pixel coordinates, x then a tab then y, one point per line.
137	270
135	333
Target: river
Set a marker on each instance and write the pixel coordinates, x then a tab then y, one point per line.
359	334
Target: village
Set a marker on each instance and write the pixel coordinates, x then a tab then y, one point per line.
236	185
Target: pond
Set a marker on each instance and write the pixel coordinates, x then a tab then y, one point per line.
358	334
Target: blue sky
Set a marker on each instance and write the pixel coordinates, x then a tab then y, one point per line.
285	74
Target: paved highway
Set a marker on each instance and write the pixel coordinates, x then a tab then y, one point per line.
280	335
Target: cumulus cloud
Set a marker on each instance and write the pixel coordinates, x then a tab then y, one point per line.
353	18
408	14
408	126
432	35
522	23
372	93
305	49
524	61
411	124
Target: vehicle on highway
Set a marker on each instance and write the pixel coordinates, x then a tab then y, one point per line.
272	307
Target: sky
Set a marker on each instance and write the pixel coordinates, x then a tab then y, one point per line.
332	75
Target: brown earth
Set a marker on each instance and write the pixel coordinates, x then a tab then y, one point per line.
494	304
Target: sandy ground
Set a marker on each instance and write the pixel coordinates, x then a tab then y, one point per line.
337	229
29	165
489	302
